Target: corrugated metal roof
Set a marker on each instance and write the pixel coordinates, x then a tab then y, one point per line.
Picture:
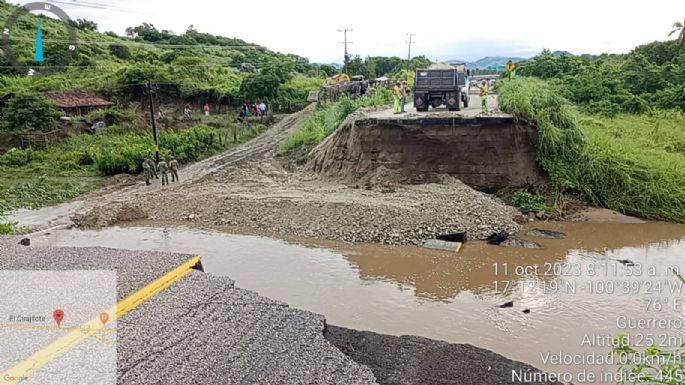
73	99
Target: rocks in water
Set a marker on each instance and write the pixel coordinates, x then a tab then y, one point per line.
520	243
543	233
497	238
526	311
25	242
626	262
506	305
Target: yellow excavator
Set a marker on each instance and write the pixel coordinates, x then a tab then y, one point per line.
335	79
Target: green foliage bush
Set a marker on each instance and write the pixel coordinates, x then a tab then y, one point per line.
112	116
19	157
30	112
533	201
627	163
327	119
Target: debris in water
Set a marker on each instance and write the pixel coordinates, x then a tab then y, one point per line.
453	237
507	304
626	262
25	242
442	245
543	233
520	243
526	311
497	238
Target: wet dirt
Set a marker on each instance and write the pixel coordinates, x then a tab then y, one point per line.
584	286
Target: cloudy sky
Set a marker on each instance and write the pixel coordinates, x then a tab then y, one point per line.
466	30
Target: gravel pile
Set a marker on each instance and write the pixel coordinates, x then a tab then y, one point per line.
296	204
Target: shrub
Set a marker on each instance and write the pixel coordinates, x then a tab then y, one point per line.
18	157
327	119
30	112
524	199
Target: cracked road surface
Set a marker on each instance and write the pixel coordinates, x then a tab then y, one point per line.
201	329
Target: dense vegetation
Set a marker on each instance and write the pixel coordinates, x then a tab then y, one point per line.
192	65
631	163
33	178
651	76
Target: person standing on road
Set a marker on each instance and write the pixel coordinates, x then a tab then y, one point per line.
146	171
262	108
153	167
484	96
403	95
396	98
173	167
163	169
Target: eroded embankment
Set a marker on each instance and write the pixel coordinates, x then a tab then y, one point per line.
486	153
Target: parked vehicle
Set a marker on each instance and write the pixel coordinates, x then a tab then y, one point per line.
438	86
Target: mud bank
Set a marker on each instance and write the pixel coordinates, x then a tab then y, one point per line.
488	153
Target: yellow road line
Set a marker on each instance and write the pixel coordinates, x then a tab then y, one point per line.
25	369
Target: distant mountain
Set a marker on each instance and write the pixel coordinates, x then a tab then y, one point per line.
488	61
559	53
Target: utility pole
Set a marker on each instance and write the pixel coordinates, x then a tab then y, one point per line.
345	42
411	36
154	124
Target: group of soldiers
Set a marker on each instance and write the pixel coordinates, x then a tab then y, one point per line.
153	170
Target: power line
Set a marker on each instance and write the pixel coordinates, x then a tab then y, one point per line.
93	5
411	36
345	42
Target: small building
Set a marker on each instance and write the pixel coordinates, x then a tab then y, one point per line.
77	102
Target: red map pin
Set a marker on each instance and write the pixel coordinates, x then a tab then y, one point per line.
58	315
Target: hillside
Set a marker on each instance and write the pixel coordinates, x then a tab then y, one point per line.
488	61
187	65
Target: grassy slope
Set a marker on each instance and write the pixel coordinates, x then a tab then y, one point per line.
327	119
633	163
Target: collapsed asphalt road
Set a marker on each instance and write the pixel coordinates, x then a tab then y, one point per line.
202	329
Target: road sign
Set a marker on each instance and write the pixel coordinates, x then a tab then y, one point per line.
510	66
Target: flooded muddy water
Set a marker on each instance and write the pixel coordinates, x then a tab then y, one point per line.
569	298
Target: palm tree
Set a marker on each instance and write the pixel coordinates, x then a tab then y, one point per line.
678	26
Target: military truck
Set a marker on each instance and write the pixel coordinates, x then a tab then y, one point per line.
441	84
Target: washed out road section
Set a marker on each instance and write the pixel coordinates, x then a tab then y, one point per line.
201	329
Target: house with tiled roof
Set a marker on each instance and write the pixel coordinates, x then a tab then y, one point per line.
77	102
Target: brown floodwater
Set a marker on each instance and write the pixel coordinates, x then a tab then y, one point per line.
579	288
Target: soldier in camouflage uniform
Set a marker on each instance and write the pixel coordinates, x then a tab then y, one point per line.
163	169
146	170
173	167
153	167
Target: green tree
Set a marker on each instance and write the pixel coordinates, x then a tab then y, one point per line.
145	31
121	51
84	25
260	86
30	112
